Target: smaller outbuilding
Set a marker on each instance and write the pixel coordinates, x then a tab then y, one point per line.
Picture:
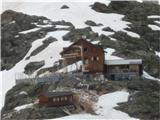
55	99
123	69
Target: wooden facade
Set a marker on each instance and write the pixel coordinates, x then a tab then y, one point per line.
93	61
54	99
92	56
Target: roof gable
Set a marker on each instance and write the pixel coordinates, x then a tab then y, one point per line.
80	41
56	94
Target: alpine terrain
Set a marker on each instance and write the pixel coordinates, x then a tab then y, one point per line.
34	34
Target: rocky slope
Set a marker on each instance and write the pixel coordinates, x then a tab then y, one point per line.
142	102
29	40
26	94
15	45
143	47
18	34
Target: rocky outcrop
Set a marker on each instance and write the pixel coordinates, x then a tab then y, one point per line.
99	7
108	29
62	22
33	66
64	7
78	33
45	44
129	47
15	45
92	23
14	99
137	48
143	99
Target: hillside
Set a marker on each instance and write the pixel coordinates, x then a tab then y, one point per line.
133	38
32	39
141	17
140	101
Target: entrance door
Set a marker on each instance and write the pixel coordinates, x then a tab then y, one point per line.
112	77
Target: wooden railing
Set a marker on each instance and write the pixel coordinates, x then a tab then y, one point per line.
71	55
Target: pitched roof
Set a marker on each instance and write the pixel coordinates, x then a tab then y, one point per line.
123	62
56	94
67	48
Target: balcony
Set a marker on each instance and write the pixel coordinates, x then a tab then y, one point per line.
71	55
123	71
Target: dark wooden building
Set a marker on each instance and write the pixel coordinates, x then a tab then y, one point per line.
92	56
52	99
123	69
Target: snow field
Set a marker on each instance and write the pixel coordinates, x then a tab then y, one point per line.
23	107
50	55
104	109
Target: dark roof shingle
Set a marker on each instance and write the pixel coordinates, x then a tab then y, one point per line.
55	94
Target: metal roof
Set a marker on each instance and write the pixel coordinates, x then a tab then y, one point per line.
123	62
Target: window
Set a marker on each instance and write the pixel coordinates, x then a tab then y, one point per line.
61	98
54	99
65	98
94	58
85	49
57	99
86	61
97	58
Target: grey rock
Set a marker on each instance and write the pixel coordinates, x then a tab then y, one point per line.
78	33
108	29
33	66
64	7
92	23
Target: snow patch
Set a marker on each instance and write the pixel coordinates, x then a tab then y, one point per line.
30	30
75	1
108	54
16	36
12	22
107	103
23	107
77	14
1	93
62	26
23	93
45	21
132	34
154	27
53	50
157	22
105	108
147	76
154	16
51	53
157	53
44	26
113	39
71	68
95	42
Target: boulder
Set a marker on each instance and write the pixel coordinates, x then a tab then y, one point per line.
92	23
108	29
64	7
99	7
33	66
78	33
